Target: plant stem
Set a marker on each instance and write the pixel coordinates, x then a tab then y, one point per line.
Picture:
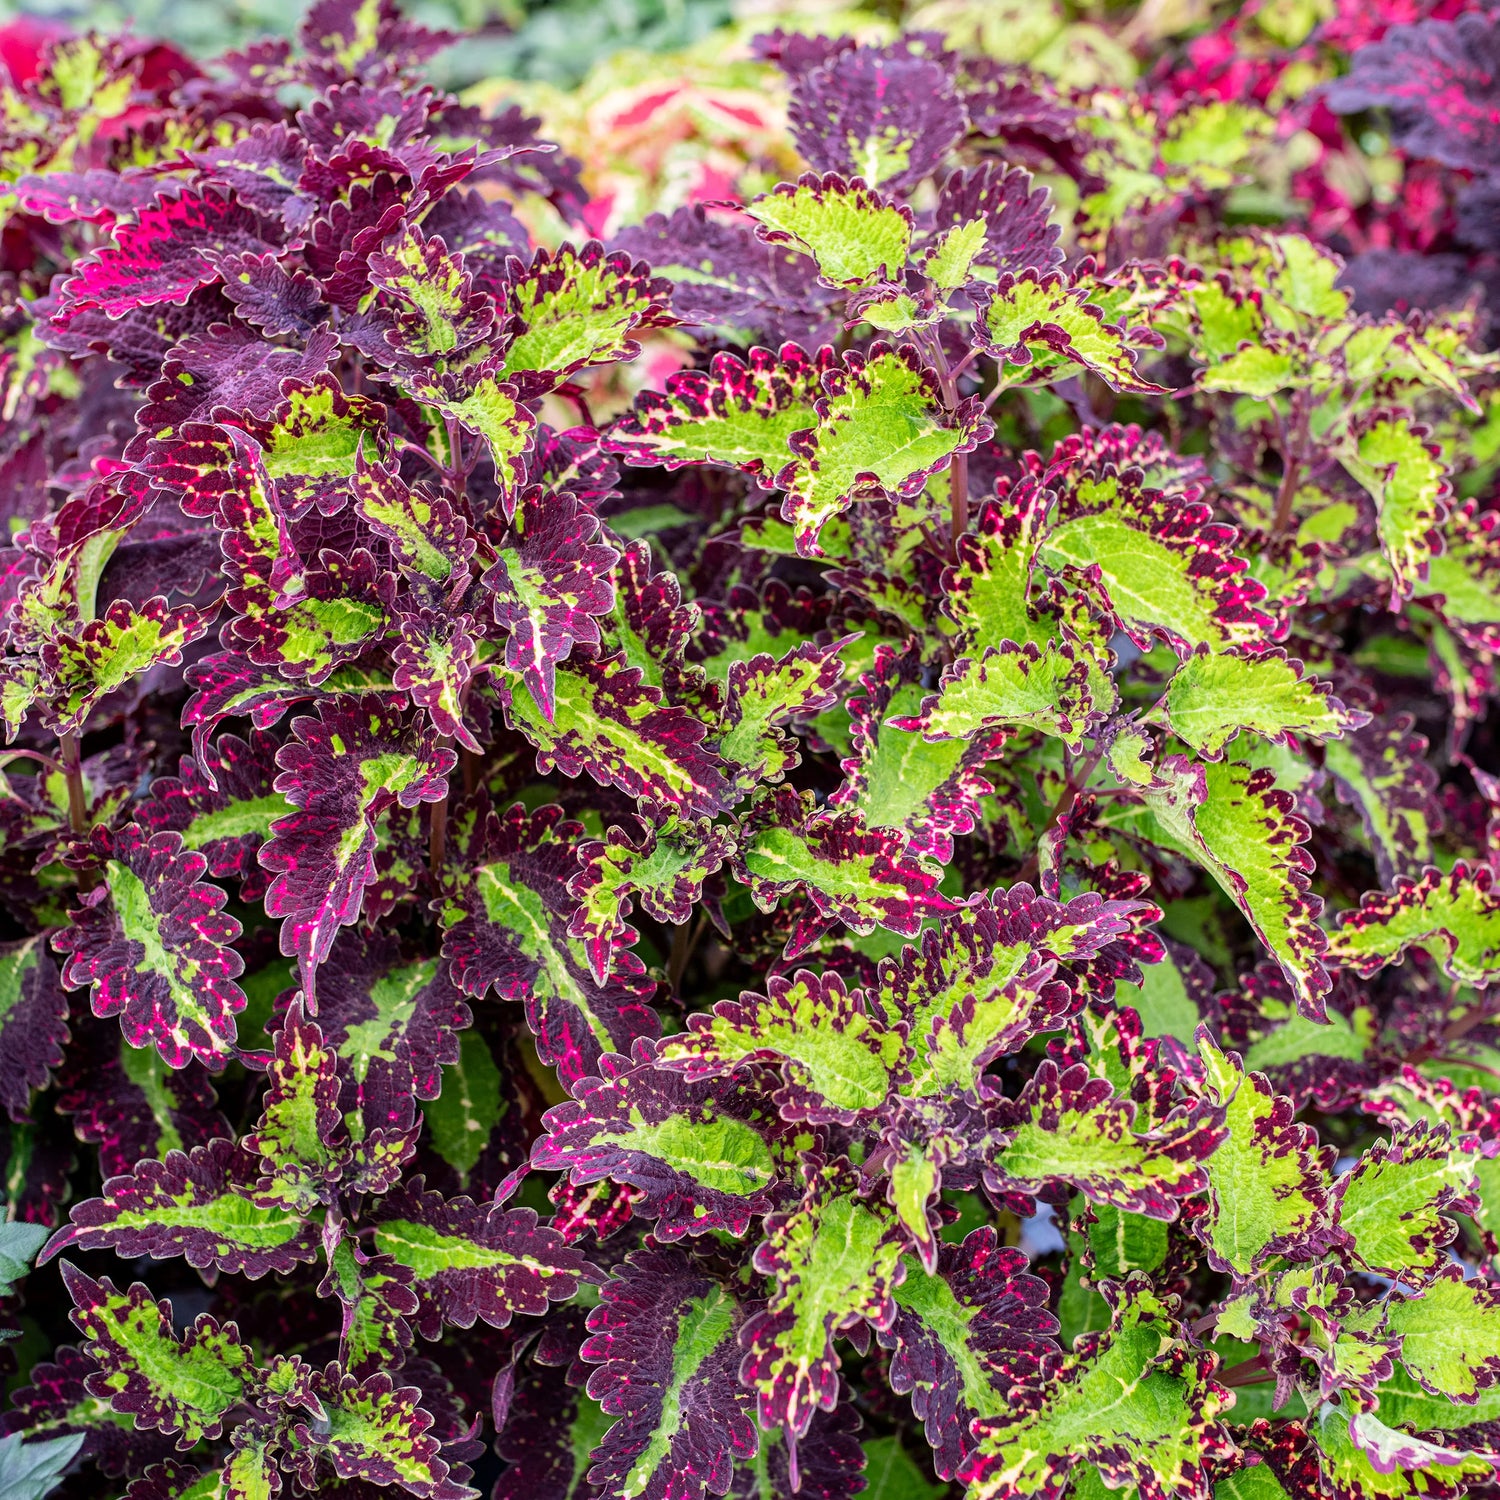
683	944
1078	779
1291	476
958	465
72	766
437	838
437	826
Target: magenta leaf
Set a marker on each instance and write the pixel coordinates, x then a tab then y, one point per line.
470	1262
341	771
507	920
699	1155
154	943
551	577
965	1334
665	1339
203	1205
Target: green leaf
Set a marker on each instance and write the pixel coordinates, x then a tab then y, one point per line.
1450	1336
1138	1405
28	1471
1391	1203
461	1119
186	1386
1073	1128
1234	822
854	233
1212	697
882	428
739	412
1061	690
891	1473
1042	329
1268	1180
1405	476
1455	917
1349	1473
19	1243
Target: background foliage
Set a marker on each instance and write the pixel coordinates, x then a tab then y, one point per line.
799	799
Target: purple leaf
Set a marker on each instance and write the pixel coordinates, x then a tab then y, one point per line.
153	942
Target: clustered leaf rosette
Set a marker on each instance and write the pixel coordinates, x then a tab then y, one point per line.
911	903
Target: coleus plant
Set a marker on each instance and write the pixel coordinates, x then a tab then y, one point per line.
899	909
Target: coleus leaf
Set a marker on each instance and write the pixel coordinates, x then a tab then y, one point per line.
930	790
376	1301
882	428
1464	578
1437	80
104	654
434	664
445	313
129	1103
1456	917
835	1259
607	721
854	233
470	1261
186	1386
551	577
1268	1180
979	985
311	441
1408	482
576	308
1360	1457
223	807
1450	1335
1382	771
203	1205
1391	1203
299	1136
838	1060
428	538
862	877
664	871
1136	1401
1039	326
767	692
1070	1126
888	114
1014	229
739	412
1212	697
1164	566
827	1460
507	919
701	1155
33	1022
163	255
375	1431
341	771
155	945
1061	690
665	1338
963	1337
393	1019
1236	823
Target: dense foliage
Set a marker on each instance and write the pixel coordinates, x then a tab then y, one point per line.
848	840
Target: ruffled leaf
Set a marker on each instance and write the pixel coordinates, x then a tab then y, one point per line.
154	944
700	1154
665	1338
